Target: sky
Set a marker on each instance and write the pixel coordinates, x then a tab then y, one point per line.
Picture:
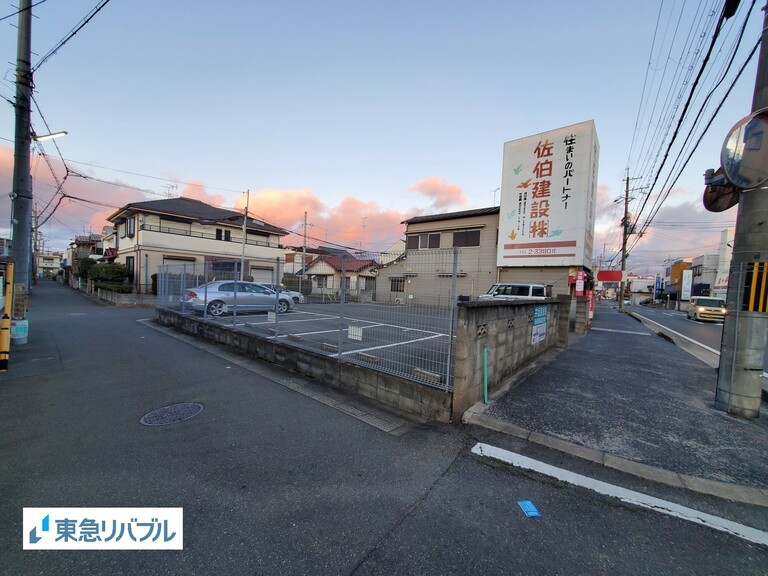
364	114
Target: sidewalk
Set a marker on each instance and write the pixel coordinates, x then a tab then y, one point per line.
624	397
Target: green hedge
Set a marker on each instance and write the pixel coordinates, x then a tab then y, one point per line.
114	287
108	272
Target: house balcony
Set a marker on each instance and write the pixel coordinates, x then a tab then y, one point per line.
169	237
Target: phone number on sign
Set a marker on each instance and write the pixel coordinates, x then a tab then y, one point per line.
538	251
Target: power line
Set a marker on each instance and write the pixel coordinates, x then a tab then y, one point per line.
741	70
88	17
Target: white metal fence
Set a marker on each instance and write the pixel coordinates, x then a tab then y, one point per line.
394	313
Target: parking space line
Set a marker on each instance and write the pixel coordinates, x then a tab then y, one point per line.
629	496
392	345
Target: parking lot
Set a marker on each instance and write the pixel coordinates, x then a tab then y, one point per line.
411	341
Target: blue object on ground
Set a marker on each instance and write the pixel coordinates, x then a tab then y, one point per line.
528	507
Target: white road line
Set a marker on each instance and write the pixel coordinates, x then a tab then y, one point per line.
691	340
622	331
393	344
625	495
373	323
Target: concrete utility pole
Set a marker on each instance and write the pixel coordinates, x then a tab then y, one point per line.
304	254
22	180
245	237
624	235
742	349
35	246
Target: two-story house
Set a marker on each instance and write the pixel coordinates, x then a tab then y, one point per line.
186	231
423	274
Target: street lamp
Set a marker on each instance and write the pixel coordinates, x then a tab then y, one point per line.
51	136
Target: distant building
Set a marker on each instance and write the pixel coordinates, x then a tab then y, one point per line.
725	250
704	269
48	264
178	231
673	277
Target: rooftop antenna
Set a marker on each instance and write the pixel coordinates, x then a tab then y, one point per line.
170	190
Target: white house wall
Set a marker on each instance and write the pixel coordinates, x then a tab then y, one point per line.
151	248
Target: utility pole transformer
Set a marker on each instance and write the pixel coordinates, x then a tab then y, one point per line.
22	180
742	349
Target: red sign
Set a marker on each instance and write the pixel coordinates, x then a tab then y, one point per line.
609	276
580	283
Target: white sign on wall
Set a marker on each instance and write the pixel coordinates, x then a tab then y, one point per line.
685	291
548	189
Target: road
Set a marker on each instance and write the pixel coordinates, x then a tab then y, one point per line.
274	480
707	334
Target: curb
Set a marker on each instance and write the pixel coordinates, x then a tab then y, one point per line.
733	492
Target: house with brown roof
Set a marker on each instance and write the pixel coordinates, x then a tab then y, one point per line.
326	274
185	231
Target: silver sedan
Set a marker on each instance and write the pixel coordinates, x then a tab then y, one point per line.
225	296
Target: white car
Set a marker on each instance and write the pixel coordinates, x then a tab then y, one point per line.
517	291
297	297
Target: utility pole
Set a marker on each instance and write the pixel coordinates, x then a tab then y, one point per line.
22	181
304	253
35	246
245	233
742	349
624	234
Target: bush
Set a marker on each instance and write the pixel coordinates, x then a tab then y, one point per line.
84	266
113	287
109	272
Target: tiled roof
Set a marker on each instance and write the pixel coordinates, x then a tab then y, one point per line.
352	264
194	210
452	215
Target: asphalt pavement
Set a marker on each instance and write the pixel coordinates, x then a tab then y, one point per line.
625	397
280	475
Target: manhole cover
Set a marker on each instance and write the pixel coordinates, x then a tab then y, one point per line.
172	414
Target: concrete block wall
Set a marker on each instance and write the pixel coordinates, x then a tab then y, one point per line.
505	330
582	314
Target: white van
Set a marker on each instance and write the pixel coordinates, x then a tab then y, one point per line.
517	291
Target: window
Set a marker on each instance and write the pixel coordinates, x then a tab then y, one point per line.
466	238
219	233
397	284
130	263
130	225
322	282
422	241
227	235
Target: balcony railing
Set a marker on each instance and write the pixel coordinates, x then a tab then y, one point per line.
182	232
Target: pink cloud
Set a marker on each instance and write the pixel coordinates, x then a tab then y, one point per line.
354	223
196	191
443	193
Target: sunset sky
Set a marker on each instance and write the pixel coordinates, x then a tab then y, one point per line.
364	114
